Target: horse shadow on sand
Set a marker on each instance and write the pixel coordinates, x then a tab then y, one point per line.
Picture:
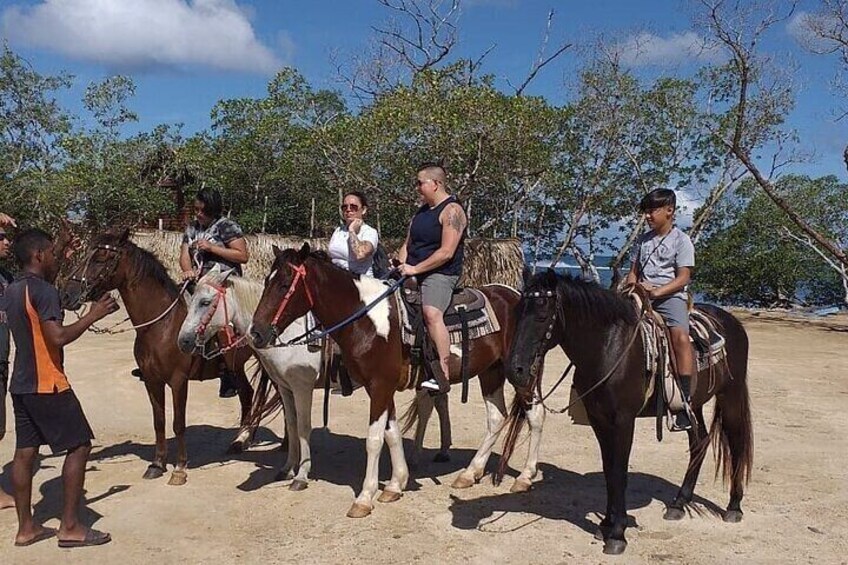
568	496
338	459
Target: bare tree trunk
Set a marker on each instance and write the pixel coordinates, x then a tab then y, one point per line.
538	242
311	218
265	215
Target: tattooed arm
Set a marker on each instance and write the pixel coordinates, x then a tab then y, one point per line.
454	222
359	248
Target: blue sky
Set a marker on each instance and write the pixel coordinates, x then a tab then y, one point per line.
185	55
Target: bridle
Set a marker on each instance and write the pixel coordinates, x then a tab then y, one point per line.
299	275
200	331
102	275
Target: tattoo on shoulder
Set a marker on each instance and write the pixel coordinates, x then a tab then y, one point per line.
455	217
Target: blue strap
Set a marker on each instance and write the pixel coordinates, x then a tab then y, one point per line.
349	320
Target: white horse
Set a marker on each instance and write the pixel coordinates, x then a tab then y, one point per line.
219	300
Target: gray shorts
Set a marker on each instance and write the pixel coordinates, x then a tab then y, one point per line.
437	290
674	310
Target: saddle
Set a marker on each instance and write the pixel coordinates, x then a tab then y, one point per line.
469	316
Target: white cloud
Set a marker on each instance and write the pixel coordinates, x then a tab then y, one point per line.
128	34
648	49
806	29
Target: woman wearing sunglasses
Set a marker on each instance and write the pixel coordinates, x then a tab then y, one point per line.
353	244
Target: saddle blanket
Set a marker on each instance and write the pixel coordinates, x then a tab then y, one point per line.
481	322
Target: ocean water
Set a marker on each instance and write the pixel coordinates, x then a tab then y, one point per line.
568	265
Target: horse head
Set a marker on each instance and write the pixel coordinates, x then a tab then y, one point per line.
285	298
99	271
207	313
536	331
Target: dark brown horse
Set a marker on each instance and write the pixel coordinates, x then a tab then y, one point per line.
111	262
595	327
374	355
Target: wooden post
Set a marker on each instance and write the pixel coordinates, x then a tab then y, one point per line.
312	219
265	214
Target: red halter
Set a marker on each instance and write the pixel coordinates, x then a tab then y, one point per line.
299	274
220	292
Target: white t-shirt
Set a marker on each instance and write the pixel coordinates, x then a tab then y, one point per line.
341	254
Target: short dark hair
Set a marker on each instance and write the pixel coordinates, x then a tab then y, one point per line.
213	204
658	198
434	167
28	243
359	194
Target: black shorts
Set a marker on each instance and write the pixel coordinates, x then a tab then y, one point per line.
55	420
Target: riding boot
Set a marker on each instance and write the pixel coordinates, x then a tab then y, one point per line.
681	418
227	388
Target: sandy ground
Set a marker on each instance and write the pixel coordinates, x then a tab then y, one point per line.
796	507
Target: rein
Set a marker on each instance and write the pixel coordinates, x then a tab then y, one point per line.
200	330
105	273
538	381
305	338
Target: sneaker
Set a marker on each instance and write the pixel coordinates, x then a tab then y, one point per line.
681	421
430	384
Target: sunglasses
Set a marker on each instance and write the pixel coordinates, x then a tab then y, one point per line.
351	207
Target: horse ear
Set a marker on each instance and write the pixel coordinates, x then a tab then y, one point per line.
226	274
304	252
124	235
277	251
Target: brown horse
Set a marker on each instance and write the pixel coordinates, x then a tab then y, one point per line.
374	354
111	262
598	330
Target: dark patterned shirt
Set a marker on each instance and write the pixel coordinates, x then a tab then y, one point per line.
221	232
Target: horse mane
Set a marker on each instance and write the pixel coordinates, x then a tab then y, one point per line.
143	264
591	303
246	292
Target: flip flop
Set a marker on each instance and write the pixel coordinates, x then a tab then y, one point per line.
92	537
46	533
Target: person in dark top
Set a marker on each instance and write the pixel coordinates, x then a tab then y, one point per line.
213	239
6	222
433	253
47	411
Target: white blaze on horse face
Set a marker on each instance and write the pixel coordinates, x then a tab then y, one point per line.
369	289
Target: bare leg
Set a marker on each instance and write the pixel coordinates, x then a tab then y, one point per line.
22	466
435	320
73	481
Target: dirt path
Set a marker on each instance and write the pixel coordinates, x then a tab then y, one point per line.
796	507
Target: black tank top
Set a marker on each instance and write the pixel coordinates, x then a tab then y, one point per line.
425	237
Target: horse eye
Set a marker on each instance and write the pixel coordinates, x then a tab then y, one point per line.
205	302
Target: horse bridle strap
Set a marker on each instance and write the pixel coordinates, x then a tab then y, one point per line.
299	274
102	274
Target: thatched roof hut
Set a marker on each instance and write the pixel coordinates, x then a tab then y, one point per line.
486	260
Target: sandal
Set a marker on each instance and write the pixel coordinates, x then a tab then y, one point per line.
92	537
46	533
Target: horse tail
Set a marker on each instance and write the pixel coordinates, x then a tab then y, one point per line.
410	415
732	436
513	424
263	407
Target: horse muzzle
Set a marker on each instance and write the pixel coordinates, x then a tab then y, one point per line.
262	336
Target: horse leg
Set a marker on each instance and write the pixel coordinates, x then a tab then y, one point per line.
246	430
536	418
303	415
736	442
425	410
622	441
441	402
378	417
179	392
290	416
400	472
697	451
495	415
156	394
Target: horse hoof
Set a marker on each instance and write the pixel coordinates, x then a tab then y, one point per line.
153	472
441	457
462	482
178	478
521	485
672	513
733	516
358	511
389	496
237	447
614	546
298	485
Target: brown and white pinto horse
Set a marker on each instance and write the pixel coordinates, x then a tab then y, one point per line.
374	354
111	262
